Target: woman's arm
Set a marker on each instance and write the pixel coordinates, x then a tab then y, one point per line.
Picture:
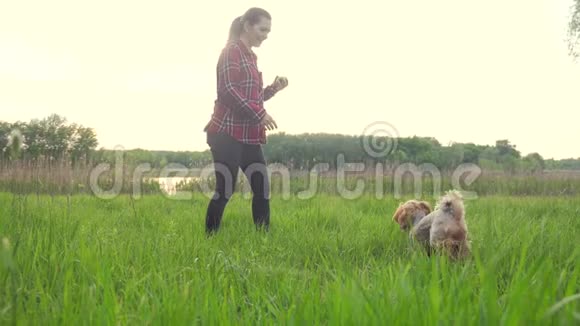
269	92
230	73
278	84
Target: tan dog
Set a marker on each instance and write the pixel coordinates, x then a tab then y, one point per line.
410	213
445	228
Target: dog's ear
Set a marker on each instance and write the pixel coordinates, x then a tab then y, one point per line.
398	214
395	216
425	206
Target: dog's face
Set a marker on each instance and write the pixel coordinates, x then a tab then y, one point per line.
410	213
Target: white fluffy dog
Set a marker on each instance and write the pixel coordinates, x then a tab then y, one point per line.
445	229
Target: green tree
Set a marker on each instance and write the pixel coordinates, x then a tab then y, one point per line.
534	162
15	144
574	31
4	135
471	152
452	156
505	149
83	143
57	135
12	141
35	140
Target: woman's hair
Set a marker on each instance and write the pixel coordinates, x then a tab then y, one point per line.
252	16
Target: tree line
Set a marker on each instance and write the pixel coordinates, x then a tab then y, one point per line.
54	139
48	139
305	150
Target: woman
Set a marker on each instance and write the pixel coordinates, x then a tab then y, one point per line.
237	128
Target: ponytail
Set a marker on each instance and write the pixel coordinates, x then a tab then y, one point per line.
236	29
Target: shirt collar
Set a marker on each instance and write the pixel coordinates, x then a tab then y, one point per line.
244	48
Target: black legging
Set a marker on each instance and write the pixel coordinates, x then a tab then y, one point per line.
229	155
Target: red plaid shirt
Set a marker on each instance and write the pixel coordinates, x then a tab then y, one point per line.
239	106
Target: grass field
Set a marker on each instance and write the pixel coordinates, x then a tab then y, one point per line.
327	260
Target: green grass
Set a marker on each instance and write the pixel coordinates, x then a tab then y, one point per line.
81	260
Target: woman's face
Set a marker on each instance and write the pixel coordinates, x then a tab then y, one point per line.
258	32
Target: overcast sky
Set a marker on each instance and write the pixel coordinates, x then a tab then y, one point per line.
142	73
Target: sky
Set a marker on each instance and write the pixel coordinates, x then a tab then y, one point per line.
142	73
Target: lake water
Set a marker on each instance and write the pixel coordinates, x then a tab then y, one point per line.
169	184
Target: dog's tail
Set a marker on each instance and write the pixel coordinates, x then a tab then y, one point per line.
452	203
